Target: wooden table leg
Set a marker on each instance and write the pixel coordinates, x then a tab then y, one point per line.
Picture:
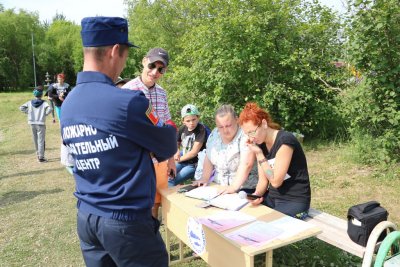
168	243
268	258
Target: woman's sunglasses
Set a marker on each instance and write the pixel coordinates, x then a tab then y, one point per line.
153	65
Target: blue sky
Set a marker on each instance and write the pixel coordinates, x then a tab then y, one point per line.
75	10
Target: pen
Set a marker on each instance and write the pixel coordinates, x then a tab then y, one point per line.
248	239
214	222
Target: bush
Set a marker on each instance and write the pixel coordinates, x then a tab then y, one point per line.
374	107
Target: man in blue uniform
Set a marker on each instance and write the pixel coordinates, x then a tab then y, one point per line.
113	134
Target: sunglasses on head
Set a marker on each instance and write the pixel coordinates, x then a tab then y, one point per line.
153	65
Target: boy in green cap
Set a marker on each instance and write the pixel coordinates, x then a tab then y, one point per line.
192	138
37	110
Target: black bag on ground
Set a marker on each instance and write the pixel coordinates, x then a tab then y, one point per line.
362	219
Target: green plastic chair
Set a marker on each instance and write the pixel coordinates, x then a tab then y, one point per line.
391	242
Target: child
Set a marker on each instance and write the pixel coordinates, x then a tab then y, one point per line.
37	110
192	139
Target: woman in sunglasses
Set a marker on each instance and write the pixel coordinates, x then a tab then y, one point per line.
283	183
154	66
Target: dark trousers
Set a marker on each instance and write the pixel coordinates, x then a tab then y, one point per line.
287	207
107	242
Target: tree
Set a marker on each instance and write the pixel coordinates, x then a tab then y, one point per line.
16	29
59	49
277	53
374	106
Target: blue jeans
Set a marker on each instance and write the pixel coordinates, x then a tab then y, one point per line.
184	171
107	242
287	207
58	112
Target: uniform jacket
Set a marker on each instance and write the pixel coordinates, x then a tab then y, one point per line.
112	134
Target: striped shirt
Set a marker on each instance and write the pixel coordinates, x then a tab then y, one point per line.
156	94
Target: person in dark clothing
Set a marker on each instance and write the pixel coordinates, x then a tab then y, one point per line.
113	150
57	93
283	174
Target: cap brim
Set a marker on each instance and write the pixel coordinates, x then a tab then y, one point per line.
122	81
132	45
157	58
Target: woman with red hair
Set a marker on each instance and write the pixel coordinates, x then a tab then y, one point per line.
283	182
58	92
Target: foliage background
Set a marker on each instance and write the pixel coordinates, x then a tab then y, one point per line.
298	59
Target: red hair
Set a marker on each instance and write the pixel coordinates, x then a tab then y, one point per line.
252	112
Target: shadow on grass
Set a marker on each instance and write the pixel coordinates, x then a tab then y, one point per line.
29	173
24	152
20	196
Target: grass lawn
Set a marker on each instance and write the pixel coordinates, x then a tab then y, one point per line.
37	208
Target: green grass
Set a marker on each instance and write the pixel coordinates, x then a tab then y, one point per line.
37	208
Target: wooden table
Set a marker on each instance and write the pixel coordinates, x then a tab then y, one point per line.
219	250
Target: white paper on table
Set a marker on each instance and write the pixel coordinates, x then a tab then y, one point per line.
229	202
225	220
255	234
290	226
203	192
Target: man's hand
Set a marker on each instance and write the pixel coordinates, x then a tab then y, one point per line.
171	167
177	156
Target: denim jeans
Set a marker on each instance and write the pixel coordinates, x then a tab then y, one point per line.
108	242
184	171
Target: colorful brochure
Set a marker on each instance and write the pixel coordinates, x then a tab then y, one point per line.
225	220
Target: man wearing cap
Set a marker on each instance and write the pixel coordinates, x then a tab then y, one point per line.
155	64
114	134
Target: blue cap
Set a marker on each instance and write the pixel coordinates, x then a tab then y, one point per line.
37	92
104	31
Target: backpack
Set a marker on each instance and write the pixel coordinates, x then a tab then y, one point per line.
208	130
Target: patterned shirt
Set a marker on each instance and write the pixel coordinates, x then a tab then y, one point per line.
226	158
55	90
156	94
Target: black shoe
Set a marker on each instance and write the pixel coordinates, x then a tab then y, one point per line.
42	160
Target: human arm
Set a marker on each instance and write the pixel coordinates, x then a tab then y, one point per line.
246	163
192	153
261	188
177	155
171	166
50	92
24	108
48	109
62	96
276	175
208	168
154	136
198	142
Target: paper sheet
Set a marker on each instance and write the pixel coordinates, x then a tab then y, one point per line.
225	220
